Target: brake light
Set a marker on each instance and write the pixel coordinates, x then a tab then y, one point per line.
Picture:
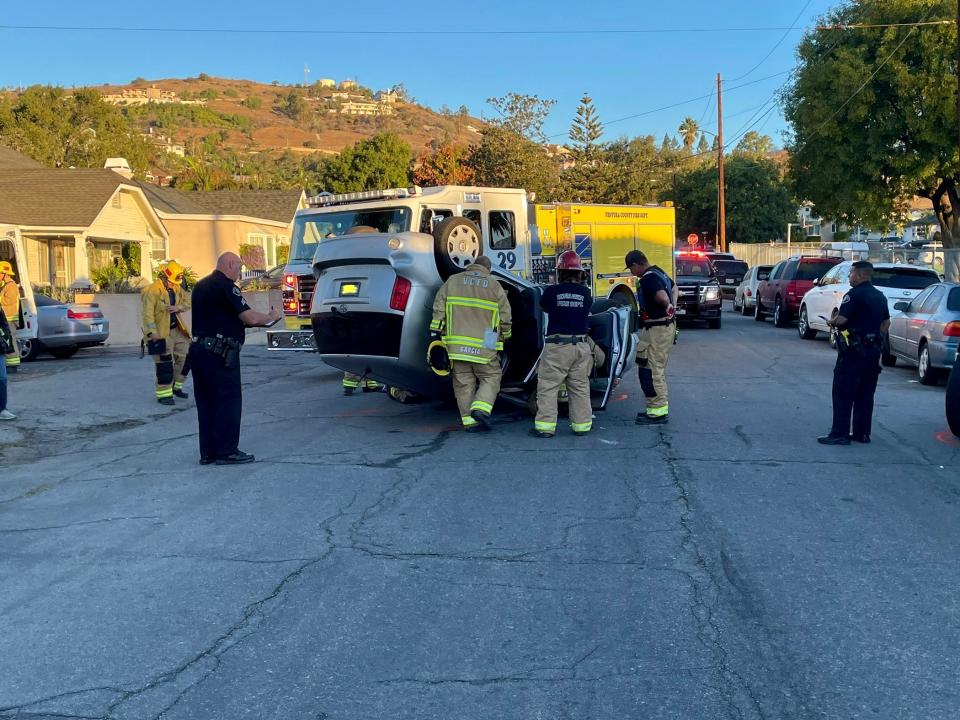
74	315
952	329
749	292
290	280
400	294
691	253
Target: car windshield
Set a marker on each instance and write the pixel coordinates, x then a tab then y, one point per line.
308	230
731	267
696	267
811	270
953	299
903	278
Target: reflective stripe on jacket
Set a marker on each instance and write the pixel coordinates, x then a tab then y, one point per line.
469	304
155	301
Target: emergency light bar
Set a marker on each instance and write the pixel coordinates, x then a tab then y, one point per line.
324	199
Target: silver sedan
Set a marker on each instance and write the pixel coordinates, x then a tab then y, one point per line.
63	329
926	331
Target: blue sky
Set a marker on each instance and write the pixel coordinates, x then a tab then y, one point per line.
626	74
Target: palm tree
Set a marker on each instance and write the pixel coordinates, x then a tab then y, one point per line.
689	129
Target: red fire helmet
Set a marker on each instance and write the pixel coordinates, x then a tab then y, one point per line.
569	260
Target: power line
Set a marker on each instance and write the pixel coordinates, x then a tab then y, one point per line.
443	31
779	42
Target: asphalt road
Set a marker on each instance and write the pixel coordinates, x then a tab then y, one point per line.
376	562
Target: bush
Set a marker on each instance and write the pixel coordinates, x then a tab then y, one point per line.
209	94
231	93
113	278
252	102
203	76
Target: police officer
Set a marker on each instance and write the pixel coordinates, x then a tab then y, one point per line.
862	321
472	313
220	316
656	294
567	354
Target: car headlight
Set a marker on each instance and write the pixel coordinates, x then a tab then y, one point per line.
711	293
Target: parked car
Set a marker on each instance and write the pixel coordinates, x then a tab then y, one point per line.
788	282
896	281
926	331
745	296
699	288
372	307
932	254
62	329
272	279
730	274
952	399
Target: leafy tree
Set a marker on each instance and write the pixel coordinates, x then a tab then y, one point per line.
635	171
505	159
522	115
689	129
755	145
585	130
463	111
446	165
203	76
383	161
293	106
703	146
873	114
759	204
669	142
209	94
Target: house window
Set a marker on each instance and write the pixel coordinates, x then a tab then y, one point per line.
269	245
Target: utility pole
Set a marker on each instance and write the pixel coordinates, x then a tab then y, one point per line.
722	210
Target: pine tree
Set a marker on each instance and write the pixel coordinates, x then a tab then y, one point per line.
586	129
703	146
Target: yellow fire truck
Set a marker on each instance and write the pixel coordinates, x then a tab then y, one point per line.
518	237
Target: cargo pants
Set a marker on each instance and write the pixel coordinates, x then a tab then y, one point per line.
564	363
653	351
353	382
475	386
170	367
13	359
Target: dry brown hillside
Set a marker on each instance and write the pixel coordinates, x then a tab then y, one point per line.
265	118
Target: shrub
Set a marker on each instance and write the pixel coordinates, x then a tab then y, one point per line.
252	102
231	93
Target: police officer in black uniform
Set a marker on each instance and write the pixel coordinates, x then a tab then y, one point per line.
860	326
220	318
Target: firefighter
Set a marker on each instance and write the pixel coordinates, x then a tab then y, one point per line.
352	382
10	304
657	295
567	353
165	332
472	315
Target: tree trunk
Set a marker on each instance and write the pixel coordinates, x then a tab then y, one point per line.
946	206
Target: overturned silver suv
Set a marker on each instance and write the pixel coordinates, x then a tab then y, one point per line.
372	306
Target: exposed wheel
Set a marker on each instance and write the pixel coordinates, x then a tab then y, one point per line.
744	310
714	323
457	245
803	325
887	358
601	305
952	401
779	314
29	348
927	374
758	313
622	298
64	353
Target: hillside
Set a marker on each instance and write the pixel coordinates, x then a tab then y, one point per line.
251	117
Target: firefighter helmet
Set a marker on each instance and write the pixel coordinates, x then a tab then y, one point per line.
6	268
173	271
569	260
438	359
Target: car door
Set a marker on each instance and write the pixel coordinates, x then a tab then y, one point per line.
918	321
612	331
817	299
766	290
898	324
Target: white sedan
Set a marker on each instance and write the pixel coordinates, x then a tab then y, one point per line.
896	281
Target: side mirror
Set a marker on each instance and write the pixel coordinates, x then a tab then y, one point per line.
902	306
816	281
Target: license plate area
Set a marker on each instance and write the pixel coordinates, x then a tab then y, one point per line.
681	311
96	327
349	288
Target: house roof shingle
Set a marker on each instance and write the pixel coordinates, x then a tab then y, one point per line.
55	198
10	159
276	205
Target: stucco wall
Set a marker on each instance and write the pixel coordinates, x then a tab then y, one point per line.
198	243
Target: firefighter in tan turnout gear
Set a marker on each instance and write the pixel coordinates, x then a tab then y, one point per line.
567	352
472	314
166	334
10	306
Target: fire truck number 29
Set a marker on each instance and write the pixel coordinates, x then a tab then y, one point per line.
507	260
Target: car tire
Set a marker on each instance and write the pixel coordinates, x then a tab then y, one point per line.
622	298
927	374
64	353
803	325
29	349
457	243
735	308
714	323
952	399
758	311
779	315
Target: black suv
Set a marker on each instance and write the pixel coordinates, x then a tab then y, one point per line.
730	274
700	297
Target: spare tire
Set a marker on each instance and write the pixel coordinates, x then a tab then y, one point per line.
457	244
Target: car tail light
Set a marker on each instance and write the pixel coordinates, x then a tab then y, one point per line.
400	294
952	329
84	315
289	280
749	292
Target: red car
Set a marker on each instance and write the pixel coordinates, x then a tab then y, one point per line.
781	293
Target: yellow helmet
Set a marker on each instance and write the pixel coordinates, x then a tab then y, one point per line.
173	272
438	359
6	268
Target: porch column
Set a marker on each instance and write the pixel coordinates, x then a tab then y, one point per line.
146	265
81	263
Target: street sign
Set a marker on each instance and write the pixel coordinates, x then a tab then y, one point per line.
693	239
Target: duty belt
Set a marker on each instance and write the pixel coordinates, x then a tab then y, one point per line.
658	322
566	339
217	344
